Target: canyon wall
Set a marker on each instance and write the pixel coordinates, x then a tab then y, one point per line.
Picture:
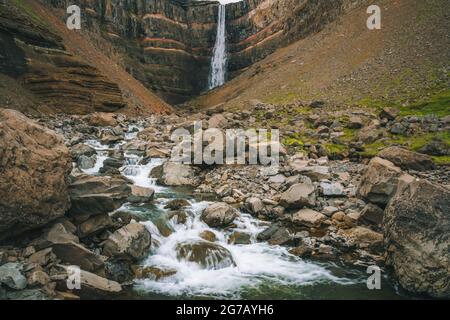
167	44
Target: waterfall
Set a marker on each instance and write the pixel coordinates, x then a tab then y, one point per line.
219	59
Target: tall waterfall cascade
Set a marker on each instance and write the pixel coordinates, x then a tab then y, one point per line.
219	58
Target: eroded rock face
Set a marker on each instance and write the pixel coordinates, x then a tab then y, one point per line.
417	238
34	169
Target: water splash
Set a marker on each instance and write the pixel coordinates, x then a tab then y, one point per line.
219	59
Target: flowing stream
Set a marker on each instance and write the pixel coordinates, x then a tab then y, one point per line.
219	59
259	271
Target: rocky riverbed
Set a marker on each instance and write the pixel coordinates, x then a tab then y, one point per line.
100	192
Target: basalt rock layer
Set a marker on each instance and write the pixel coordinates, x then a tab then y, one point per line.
168	44
36	59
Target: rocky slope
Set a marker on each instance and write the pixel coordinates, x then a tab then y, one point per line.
167	44
44	67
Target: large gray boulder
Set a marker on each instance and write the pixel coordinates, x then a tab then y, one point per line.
131	242
34	169
417	236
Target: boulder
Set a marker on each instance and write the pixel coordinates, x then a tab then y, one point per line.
332	189
417	238
217	121
219	214
11	276
130	242
141	194
153	273
175	174
102	119
97	195
254	205
298	196
34	169
206	254
238	237
82	149
308	218
362	237
379	181
406	159
75	254
372	214
208	235
94	225
177	204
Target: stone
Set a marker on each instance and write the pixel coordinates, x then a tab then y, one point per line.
362	236
90	282
298	196
332	189
12	277
217	121
42	257
38	278
85	162
267	233
82	149
206	254
119	270
308	218
56	233
254	205
219	214
372	214
301	251
102	119
417	239
329	210
130	242
75	254
436	147
355	122
208	235
95	195
315	173
175	174
141	194
94	225
379	181
406	159
153	273
389	113
280	237
35	166
238	237
157	153
177	204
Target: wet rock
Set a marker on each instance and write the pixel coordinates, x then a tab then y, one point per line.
141	194
417	239
208	235
308	218
239	237
153	273
298	196
267	233
157	153
35	165
85	162
180	216
302	251
82	149
119	270
379	181
206	254
94	225
12	277
130	242
280	237
219	214
111	166
177	204
406	159
97	195
75	254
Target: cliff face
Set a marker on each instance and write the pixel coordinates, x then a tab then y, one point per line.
36	58
167	44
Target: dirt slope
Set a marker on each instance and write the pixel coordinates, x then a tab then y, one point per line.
346	63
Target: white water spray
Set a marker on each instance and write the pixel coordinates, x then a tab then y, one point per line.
219	59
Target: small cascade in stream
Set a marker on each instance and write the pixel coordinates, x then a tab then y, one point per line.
219	59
